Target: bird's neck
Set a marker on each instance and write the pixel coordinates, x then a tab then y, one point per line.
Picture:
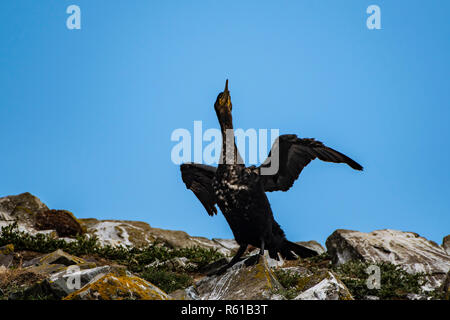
230	153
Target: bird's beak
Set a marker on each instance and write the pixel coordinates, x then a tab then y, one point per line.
226	94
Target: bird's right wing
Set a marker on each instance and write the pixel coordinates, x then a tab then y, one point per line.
198	178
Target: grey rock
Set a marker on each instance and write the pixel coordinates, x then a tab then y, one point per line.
313	245
6	260
73	278
240	282
56	257
329	288
446	244
407	249
6	255
20	208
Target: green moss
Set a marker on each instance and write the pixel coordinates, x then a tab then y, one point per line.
396	283
292	282
166	280
135	258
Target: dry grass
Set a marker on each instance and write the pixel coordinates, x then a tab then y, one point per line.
12	280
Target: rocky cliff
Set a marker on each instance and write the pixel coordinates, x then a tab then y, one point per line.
50	254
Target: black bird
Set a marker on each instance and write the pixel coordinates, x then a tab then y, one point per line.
239	191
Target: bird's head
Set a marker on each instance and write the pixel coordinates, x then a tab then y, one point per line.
223	106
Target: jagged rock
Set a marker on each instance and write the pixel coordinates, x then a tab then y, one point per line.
229	244
140	234
313	245
33	216
73	278
63	221
55	262
56	257
407	249
6	255
446	244
21	208
180	239
118	232
329	287
115	287
241	282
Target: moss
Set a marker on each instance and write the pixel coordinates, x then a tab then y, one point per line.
19	284
167	280
8	249
293	283
113	287
396	283
135	259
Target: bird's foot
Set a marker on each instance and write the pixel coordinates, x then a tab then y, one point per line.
253	260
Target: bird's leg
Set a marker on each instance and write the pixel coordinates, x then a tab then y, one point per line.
255	259
233	261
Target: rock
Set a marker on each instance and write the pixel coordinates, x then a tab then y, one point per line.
33	216
181	294
240	282
119	233
6	255
180	239
140	234
175	264
214	266
56	257
114	287
446	244
55	262
6	260
229	244
63	221
446	287
8	249
407	249
21	208
313	245
329	288
15	282
73	278
415	296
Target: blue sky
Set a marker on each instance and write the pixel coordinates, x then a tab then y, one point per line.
86	115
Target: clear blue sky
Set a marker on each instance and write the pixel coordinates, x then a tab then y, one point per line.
86	115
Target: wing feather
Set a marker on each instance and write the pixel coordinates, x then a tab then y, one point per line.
198	178
294	155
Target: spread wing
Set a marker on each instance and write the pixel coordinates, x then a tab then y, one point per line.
294	155
198	178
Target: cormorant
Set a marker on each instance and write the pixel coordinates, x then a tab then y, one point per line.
239	191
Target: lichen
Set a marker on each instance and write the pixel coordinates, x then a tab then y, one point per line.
113	287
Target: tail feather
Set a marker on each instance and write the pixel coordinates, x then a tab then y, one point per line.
301	251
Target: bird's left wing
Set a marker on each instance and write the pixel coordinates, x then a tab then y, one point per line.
198	178
293	155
